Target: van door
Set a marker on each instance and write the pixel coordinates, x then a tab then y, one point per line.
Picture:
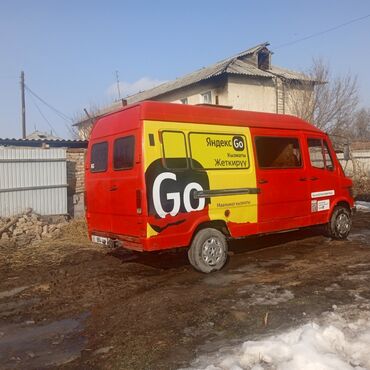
126	185
323	178
97	187
284	200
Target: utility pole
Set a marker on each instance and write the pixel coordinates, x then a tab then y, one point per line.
118	86
23	107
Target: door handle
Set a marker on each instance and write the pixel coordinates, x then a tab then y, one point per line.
303	179
262	181
113	188
314	178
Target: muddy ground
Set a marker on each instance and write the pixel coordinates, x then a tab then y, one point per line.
72	305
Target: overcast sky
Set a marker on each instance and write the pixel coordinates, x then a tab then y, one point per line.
70	50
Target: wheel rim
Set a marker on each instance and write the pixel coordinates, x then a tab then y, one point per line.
343	224
212	251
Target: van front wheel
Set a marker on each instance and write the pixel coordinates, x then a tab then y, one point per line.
208	251
340	223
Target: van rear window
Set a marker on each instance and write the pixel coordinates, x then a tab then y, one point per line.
99	157
278	152
123	153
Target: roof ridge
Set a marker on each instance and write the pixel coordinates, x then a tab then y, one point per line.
228	60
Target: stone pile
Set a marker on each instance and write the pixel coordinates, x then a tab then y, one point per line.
28	228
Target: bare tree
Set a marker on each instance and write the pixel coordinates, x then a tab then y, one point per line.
326	101
85	122
361	125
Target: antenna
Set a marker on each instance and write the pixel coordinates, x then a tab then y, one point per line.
118	87
23	103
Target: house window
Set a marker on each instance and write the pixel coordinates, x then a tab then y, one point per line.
206	97
278	152
184	101
264	59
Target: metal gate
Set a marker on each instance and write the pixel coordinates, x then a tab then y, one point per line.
33	178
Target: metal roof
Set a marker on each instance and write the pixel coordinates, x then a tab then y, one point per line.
39	135
240	64
42	142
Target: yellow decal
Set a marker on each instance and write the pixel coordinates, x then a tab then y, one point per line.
186	159
219	151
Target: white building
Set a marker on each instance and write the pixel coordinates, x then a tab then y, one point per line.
246	81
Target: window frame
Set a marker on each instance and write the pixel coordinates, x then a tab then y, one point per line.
93	170
206	93
322	141
325	144
133	156
279	137
164	162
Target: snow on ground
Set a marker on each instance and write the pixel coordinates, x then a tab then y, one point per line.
340	340
362	206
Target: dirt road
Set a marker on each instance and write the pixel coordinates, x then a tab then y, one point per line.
69	304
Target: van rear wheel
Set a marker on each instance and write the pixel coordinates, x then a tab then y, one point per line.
340	223
208	251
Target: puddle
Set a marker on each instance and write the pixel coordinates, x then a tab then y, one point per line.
362	235
12	292
39	346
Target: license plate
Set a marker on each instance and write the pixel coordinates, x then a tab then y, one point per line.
99	239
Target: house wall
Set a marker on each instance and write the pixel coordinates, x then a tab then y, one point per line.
240	92
247	93
193	93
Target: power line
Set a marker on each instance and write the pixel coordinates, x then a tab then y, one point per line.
55	110
322	32
43	116
58	112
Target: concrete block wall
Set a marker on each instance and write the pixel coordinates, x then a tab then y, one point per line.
76	181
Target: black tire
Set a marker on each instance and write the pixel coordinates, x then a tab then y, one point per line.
340	223
208	251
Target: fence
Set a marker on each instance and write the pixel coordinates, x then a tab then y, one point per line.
33	178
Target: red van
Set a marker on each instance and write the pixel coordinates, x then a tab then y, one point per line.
161	176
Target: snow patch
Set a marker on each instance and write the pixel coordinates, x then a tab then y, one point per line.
264	295
362	206
338	343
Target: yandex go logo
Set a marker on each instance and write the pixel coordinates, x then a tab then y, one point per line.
172	192
238	143
177	198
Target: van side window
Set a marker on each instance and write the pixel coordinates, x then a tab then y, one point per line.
278	152
174	150
316	155
99	157
320	154
328	160
123	153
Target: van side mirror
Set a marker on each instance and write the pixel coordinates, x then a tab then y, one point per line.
346	155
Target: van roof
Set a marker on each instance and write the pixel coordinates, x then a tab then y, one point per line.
171	112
